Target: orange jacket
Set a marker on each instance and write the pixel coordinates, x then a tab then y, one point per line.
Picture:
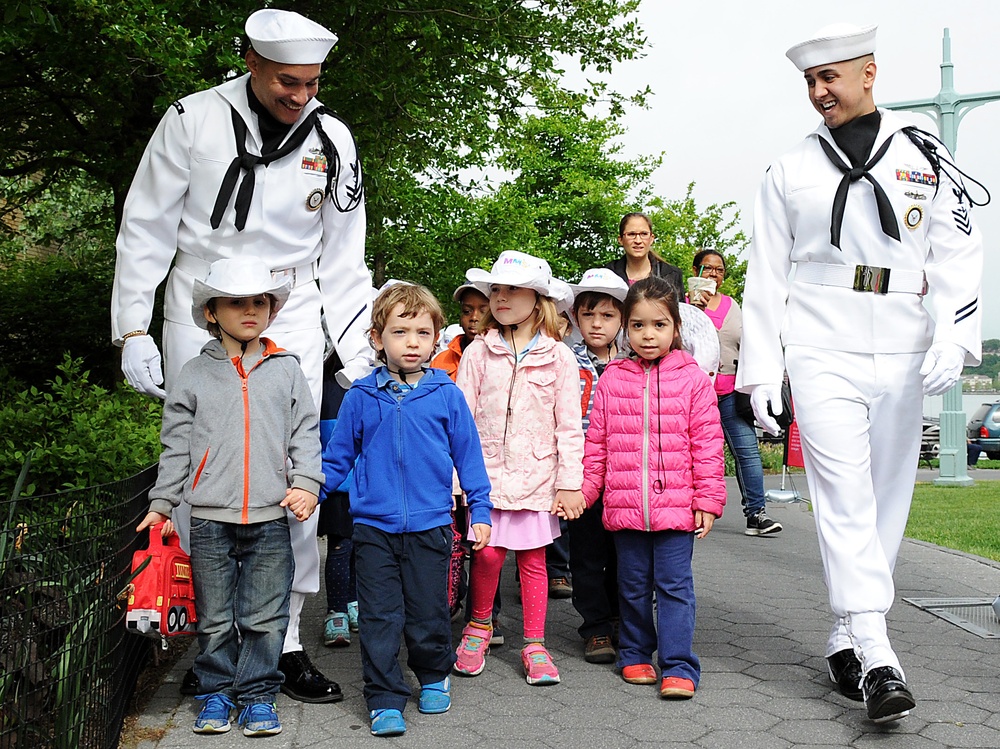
449	358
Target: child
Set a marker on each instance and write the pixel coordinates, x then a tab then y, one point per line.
594	564
658	405
233	415
523	388
406	426
473	305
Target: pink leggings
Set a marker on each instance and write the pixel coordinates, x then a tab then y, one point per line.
484	575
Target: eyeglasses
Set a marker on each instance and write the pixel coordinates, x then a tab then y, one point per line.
712	270
637	235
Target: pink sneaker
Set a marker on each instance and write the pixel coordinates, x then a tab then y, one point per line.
472	649
538	665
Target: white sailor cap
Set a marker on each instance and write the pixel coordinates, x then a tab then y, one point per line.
834	43
289	38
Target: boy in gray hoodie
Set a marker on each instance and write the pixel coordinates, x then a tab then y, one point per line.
233	416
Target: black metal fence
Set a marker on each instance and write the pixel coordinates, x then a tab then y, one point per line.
67	666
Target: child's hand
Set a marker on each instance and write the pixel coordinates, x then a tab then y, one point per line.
300	502
482	532
152	518
703	522
569	504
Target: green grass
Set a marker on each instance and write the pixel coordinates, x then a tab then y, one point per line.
963	518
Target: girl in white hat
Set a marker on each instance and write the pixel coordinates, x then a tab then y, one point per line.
523	389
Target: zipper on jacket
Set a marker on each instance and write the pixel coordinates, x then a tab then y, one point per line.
645	453
244	386
399	463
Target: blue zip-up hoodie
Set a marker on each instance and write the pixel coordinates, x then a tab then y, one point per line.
405	448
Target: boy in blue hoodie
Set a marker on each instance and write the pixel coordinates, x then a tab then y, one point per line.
403	428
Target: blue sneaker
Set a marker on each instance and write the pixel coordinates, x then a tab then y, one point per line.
387	722
214	715
260	719
352	615
435	698
336	631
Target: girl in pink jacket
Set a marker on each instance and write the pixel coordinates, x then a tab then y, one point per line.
654	447
522	386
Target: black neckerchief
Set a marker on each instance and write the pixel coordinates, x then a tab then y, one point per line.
272	132
858	139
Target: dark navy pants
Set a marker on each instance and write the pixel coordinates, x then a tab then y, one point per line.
402	581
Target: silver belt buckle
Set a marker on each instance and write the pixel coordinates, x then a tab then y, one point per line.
871	278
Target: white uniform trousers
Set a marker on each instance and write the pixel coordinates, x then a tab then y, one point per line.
296	328
860	421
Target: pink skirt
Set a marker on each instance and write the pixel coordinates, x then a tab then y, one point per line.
521	529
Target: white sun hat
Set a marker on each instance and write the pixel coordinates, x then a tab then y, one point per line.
289	38
513	268
237	277
603	281
834	43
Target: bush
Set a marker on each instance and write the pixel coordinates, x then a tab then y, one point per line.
82	434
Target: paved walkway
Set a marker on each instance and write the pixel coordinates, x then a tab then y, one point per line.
762	628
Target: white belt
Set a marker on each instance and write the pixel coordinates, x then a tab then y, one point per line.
863	278
198	268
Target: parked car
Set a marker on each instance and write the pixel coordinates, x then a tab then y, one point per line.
984	429
930	438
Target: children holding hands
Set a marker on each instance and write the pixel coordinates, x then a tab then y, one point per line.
522	387
403	428
654	449
232	417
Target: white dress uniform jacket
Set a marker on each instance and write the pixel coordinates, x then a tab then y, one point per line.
792	226
169	207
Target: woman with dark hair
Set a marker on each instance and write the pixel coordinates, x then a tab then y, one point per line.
740	436
635	235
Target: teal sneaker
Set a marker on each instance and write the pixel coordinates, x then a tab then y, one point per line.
260	719
435	698
387	722
336	632
352	615
214	715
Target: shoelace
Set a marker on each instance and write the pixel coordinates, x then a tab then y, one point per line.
258	712
540	658
473	642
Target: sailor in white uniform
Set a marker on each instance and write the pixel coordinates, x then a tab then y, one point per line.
255	166
871	216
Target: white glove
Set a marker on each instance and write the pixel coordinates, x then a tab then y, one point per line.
760	397
141	365
355	369
942	367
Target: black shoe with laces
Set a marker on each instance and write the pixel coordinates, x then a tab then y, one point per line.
760	524
845	672
886	695
303	682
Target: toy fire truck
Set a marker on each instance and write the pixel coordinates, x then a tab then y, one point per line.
161	601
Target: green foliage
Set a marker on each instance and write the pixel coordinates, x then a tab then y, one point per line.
963	518
53	305
81	434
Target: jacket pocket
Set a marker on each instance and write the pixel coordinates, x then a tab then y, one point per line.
201	467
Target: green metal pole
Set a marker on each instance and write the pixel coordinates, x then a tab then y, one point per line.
947	110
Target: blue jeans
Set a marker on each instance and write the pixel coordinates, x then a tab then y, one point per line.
742	442
242	581
660	563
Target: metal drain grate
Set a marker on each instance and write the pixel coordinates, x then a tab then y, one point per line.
974	615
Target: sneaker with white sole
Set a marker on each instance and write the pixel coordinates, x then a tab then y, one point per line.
760	524
472	650
214	715
539	670
352	615
336	630
260	719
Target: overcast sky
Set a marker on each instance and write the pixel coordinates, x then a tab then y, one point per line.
727	102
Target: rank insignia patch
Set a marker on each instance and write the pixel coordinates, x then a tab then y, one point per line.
920	178
914	215
915	195
314	200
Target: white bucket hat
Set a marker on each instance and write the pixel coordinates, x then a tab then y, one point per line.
237	277
562	294
834	43
457	295
513	268
603	281
289	38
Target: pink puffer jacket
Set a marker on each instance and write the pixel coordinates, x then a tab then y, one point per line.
655	445
536	447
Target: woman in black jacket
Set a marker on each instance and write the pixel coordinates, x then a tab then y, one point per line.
635	235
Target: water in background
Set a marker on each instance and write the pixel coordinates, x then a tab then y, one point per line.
970	402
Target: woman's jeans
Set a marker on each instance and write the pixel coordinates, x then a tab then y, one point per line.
741	438
242	581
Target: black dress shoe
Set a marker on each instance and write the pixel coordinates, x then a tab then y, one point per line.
845	672
886	695
189	684
304	683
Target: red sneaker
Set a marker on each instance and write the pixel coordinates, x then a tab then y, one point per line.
676	688
639	673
